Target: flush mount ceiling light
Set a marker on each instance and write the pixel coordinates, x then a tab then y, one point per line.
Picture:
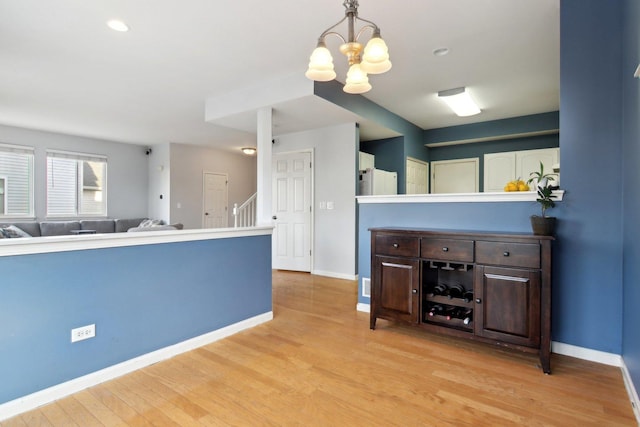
459	101
374	59
249	151
117	25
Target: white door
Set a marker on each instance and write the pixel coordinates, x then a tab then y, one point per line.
291	240
455	176
214	200
417	176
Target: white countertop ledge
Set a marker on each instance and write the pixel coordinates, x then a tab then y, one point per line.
515	196
39	245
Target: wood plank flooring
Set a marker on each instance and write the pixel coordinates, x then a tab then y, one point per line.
318	364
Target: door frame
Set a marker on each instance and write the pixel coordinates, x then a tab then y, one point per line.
312	198
204	182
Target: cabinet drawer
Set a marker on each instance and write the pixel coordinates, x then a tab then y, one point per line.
447	249
525	255
398	246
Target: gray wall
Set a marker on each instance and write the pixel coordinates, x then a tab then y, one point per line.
334	180
126	170
188	162
159	161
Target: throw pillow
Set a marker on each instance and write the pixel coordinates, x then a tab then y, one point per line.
11	232
150	223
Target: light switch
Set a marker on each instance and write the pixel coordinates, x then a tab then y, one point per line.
329	205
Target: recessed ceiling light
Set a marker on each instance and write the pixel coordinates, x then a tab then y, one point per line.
117	25
441	51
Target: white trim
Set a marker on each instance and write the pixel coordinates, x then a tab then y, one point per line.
20	149
72	155
365	308
335	275
515	196
586	354
631	390
42	397
39	245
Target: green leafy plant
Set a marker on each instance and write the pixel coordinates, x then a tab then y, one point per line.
545	189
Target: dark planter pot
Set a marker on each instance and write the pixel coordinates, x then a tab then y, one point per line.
543	226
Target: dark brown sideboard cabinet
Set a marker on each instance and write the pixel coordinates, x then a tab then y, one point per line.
489	287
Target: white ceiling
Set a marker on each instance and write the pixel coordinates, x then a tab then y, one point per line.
62	69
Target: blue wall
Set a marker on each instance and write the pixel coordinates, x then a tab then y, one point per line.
631	179
141	298
494	128
590	275
587	257
389	153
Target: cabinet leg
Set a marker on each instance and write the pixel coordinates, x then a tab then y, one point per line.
545	361
372	322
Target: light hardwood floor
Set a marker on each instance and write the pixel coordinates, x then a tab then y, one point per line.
318	364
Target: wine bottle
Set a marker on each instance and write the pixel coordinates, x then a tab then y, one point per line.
456	291
450	312
438	289
468	295
436	309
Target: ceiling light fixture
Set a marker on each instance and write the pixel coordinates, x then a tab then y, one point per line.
459	101
374	59
249	151
117	25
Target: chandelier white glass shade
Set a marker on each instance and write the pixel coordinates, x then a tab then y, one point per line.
373	59
459	101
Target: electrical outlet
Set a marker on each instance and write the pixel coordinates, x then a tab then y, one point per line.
83	333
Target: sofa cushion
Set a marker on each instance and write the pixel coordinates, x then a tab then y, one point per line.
123	225
57	228
31	227
99	225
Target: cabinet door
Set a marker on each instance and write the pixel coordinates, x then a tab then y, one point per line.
499	169
507	306
395	289
529	161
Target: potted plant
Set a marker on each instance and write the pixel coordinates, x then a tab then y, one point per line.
542	224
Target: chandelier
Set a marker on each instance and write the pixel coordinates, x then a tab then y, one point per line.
374	59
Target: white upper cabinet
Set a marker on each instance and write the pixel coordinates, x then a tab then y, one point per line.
500	168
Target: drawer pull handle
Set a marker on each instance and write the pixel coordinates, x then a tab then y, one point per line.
445	249
505	253
395	245
415	291
478	301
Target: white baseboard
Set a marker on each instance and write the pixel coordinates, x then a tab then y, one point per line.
26	403
631	390
363	307
586	354
335	275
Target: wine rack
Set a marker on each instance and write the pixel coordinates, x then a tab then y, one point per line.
450	286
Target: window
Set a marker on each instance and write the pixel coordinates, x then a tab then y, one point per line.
76	184
16	181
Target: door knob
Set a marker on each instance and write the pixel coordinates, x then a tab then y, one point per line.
415	291
206	213
274	217
478	301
